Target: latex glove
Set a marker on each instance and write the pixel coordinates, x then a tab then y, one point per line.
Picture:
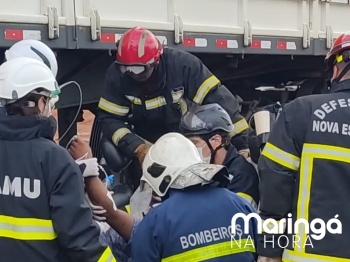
109	195
269	259
245	153
97	211
89	167
104	227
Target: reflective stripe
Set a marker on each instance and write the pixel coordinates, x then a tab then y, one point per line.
177	96
134	100
113	108
204	89
327	152
119	134
127	209
155	102
309	153
249	199
239	127
213	251
292	256
107	256
183	106
303	199
281	157
26	228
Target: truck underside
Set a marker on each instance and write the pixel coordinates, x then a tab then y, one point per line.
242	74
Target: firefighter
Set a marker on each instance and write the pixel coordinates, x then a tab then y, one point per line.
191	207
304	172
209	127
148	87
43	215
167	232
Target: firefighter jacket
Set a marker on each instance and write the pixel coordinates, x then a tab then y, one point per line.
155	107
245	182
194	224
43	214
304	174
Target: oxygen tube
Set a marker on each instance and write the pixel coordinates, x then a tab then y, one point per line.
79	107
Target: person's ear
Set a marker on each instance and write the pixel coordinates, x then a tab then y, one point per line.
215	141
41	104
335	72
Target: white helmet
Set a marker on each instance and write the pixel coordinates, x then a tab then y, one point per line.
173	161
21	76
33	49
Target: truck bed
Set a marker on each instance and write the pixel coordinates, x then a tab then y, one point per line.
234	26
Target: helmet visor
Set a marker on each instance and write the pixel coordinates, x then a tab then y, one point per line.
137	72
132	69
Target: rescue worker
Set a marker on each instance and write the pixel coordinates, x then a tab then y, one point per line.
209	128
174	162
43	215
304	171
33	49
168	232
148	86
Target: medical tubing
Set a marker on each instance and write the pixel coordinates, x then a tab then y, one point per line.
79	107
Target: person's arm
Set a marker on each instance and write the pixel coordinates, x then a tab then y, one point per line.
278	167
71	215
119	220
245	182
205	88
113	111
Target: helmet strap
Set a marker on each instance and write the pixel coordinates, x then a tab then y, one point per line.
343	73
212	150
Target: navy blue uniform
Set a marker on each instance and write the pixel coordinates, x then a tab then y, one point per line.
304	171
245	180
43	212
155	107
194	224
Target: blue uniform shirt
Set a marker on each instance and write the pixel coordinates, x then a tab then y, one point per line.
195	225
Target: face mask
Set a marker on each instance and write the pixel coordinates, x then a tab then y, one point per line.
200	151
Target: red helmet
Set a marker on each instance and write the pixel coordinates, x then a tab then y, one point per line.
138	50
339	46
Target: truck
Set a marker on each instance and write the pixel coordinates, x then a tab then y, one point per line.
262	50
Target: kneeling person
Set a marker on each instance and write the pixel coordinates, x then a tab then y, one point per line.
209	128
194	221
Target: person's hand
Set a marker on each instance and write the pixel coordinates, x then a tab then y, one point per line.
269	259
89	167
141	152
97	211
79	149
158	201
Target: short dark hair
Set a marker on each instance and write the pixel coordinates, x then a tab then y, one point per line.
20	107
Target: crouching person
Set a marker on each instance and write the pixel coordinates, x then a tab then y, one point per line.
193	223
